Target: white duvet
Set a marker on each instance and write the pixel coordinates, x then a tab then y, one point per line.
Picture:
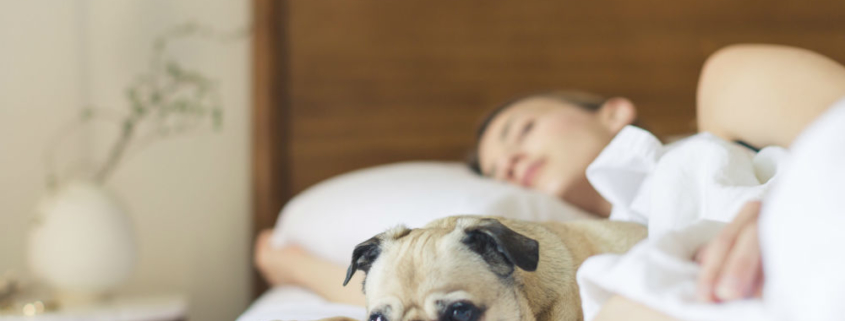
293	303
686	192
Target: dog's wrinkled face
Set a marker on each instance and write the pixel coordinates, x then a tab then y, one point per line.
460	269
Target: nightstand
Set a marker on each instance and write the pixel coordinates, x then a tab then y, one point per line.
120	308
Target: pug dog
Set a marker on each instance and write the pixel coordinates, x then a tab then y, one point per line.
470	268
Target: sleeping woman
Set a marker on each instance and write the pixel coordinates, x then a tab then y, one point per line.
760	95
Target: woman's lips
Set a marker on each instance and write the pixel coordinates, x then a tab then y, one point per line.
531	173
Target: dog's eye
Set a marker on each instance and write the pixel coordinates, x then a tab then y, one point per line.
462	311
377	317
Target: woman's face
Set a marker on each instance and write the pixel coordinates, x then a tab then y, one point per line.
546	144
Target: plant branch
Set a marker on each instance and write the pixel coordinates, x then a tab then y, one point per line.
117	151
89	114
163	93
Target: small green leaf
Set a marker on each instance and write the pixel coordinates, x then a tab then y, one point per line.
86	114
52	181
128	125
155	97
190	27
139	109
173	69
217	118
191	77
132	94
179	106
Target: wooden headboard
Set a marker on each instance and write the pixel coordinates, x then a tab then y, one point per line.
341	84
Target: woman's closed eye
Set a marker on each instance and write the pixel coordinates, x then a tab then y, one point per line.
523	131
526	128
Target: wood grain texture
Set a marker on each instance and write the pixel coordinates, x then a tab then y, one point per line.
270	121
377	81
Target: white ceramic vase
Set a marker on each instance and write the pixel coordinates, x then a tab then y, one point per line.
82	242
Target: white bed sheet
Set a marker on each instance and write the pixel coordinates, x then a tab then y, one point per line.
293	303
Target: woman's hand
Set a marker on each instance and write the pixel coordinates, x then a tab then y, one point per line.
277	265
292	265
731	266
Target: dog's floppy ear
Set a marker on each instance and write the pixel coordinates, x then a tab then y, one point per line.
363	257
502	247
368	251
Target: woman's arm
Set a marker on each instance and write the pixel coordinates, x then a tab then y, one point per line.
620	308
325	278
293	265
766	94
760	94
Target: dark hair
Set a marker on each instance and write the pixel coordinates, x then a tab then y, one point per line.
587	101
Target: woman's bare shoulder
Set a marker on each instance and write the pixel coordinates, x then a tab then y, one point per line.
766	94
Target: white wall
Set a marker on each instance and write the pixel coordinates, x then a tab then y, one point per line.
188	196
38	90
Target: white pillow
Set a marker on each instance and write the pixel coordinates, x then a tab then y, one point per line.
330	218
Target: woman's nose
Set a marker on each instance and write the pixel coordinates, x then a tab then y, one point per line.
509	167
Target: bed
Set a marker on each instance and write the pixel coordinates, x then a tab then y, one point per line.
343	85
